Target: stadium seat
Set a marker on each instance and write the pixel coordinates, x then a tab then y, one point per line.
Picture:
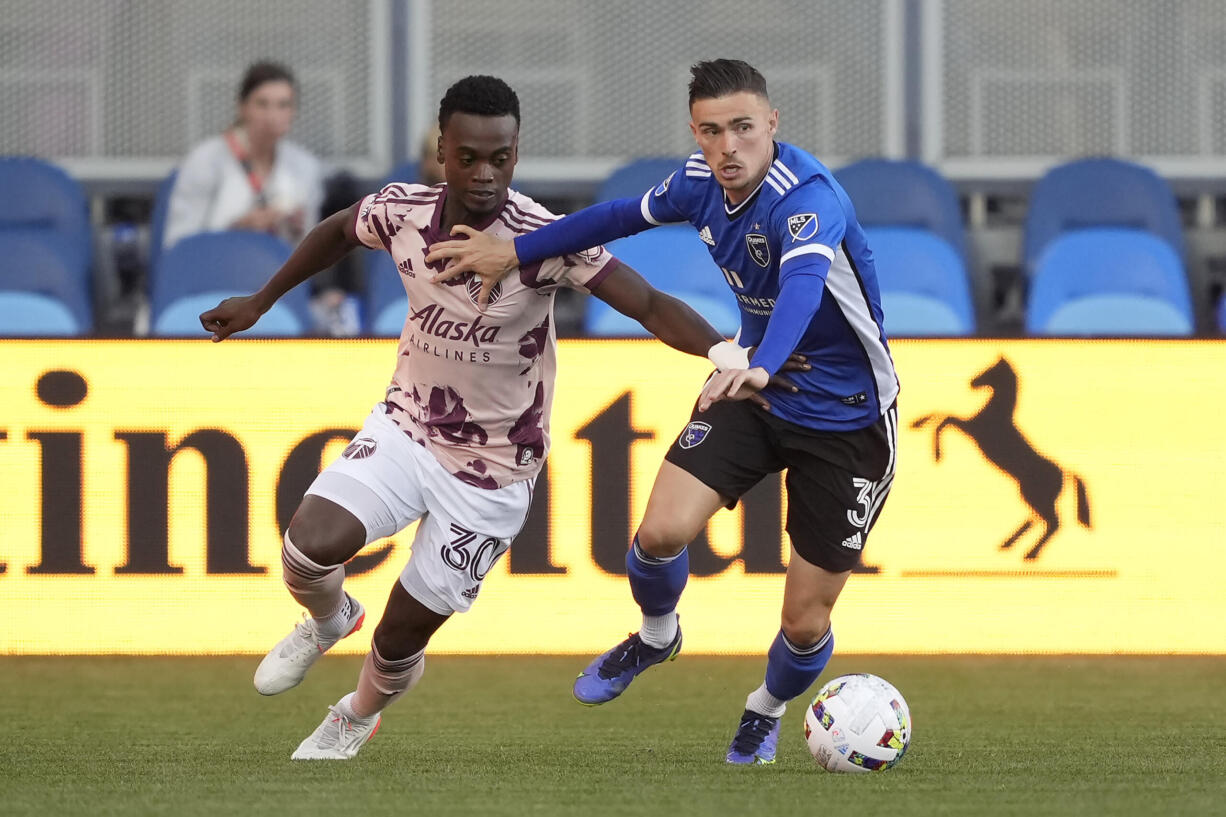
157	219
41	292
208	267
386	303
1221	315
635	178
1109	282
924	285
672	257
1099	193
602	320
37	196
901	193
405	172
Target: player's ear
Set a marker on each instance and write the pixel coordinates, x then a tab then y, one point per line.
772	122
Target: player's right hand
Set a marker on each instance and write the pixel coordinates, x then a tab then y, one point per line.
230	316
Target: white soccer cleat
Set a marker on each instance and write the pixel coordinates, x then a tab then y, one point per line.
338	737
287	663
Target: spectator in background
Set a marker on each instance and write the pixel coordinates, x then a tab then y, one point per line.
253	178
250	177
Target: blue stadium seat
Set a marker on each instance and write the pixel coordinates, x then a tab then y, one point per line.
635	178
404	172
35	195
1221	314
901	193
1109	282
157	219
217	265
1094	193
924	285
602	320
42	291
386	303
672	257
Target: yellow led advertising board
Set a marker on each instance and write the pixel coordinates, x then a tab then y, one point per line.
1051	496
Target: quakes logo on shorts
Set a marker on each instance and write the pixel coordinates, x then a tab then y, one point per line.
473	285
694	434
359	449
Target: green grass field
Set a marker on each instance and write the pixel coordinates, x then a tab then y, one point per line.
1060	735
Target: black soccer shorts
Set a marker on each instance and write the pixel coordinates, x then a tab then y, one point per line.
837	481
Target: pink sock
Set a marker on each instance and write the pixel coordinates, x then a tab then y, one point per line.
383	681
315	587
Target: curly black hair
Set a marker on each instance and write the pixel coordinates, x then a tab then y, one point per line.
481	95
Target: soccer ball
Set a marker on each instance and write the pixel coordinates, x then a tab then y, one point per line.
858	723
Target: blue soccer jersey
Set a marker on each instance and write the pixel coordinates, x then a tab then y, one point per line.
798	263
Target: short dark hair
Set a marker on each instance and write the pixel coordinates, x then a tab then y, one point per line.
481	95
264	71
715	78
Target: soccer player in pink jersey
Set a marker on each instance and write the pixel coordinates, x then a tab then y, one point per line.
464	428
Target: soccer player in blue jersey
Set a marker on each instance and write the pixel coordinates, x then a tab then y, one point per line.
786	237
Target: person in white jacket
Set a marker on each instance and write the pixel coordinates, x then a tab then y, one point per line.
250	177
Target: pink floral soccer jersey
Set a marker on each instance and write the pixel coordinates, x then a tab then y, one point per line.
474	388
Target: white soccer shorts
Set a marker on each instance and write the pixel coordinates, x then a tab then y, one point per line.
388	481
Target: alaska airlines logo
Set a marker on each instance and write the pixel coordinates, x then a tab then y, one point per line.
1039	480
433	320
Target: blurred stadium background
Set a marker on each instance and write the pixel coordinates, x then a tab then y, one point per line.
1045	184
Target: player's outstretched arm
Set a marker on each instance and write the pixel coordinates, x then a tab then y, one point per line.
676	323
669	319
491	259
322	247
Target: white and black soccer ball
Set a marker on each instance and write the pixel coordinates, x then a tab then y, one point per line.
858	723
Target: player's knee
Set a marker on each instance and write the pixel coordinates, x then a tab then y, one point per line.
324	541
805	627
661	539
396	643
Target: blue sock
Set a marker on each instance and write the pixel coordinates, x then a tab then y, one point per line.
656	583
792	669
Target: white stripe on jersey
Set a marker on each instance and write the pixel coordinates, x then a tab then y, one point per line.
697	165
787	173
771	181
808	249
645	209
774	173
844	285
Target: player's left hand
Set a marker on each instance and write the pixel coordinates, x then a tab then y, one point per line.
733	384
489	258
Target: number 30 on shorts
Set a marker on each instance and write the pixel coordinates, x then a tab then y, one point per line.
462	556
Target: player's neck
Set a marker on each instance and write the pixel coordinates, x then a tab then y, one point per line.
737	197
454	212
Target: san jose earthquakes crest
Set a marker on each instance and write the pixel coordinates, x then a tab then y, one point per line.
694	434
759	249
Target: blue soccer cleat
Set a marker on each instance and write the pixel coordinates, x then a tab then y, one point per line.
754	743
609	674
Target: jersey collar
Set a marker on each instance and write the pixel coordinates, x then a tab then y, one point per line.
734	211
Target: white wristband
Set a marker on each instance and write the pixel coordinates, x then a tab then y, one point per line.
728	355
